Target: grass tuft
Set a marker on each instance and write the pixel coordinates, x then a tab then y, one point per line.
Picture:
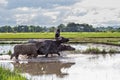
6	74
112	51
92	50
97	50
9	52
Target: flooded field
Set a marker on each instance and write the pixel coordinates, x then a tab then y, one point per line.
69	66
4	48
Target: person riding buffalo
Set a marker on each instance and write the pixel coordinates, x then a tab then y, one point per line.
57	34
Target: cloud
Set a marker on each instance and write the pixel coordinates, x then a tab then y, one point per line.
40	12
3	3
100	3
39	3
53	15
54	12
35	16
95	12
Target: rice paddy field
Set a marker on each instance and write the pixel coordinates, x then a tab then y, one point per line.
64	34
81	37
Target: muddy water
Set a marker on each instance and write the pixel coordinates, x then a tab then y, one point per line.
70	66
4	48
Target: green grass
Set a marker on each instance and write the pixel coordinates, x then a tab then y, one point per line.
25	35
113	51
8	75
91	34
9	52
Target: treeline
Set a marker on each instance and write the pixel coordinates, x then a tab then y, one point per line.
70	27
23	28
109	28
74	27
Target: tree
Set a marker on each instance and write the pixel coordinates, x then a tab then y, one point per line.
32	28
9	29
62	27
71	27
51	29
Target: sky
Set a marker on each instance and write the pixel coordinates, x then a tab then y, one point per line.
55	12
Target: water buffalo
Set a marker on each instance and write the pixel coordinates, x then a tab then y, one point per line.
41	48
26	49
51	46
54	49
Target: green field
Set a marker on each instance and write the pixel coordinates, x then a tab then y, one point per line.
96	37
64	34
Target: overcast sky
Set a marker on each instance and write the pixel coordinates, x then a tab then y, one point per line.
55	12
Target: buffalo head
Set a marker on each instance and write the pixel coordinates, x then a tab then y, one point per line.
65	48
62	40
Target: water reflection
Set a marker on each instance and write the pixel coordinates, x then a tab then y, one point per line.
97	56
4	48
90	45
7	65
86	67
41	68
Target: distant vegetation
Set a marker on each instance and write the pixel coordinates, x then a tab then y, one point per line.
70	27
